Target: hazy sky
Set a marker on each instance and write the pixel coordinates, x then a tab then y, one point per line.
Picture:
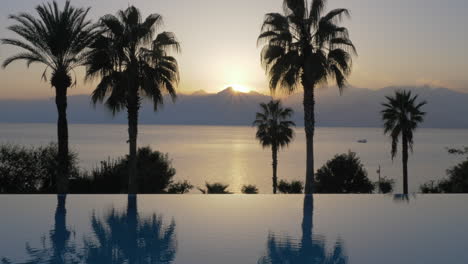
400	42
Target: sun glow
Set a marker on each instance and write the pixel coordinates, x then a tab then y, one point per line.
239	88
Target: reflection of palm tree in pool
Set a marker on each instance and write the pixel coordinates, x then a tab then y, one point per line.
129	238
61	250
311	249
118	238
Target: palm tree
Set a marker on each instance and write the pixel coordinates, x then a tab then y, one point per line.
132	64
274	130
56	39
304	48
401	116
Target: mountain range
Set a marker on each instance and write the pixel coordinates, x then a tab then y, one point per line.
356	107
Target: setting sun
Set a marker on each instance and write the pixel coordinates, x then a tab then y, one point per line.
239	88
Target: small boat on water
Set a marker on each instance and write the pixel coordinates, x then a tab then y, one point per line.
362	141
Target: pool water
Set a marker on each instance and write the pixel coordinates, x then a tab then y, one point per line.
234	229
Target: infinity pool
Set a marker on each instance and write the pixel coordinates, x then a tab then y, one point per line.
196	229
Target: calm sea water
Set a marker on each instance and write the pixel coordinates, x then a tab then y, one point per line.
232	155
205	229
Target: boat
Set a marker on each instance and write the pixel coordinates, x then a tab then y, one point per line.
362	141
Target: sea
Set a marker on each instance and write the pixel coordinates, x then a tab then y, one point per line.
232	155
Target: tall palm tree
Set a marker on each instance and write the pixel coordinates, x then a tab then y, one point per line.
274	130
401	116
132	64
57	38
304	48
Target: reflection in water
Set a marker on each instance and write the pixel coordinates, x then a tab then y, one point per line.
128	238
61	249
310	249
118	238
403	198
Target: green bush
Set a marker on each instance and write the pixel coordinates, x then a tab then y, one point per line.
292	187
249	189
343	174
31	169
155	173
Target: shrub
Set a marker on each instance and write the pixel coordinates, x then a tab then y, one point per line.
179	187
290	187
385	185
155	173
430	187
343	174
249	189
457	181
215	188
31	169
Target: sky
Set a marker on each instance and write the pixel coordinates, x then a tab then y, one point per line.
399	42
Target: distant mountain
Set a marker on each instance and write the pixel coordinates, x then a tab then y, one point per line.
356	107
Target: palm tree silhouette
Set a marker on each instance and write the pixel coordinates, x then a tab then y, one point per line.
132	65
274	130
56	39
302	47
401	116
310	249
128	238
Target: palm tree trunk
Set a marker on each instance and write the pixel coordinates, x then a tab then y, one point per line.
132	110
405	164
61	180
274	153
309	124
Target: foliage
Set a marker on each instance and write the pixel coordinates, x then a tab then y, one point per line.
249	189
155	173
293	187
457	181
401	116
57	39
274	125
127	52
430	187
179	187
385	185
32	169
462	151
215	188
305	44
343	174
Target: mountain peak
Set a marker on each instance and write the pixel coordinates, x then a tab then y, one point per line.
200	92
229	91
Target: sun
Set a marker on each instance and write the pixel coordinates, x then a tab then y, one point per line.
239	88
